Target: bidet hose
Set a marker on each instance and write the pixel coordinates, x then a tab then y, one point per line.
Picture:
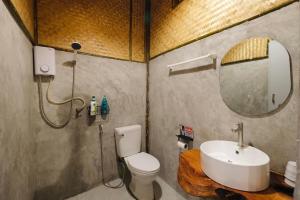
119	185
41	102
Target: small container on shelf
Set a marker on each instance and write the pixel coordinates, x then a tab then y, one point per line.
93	107
186	133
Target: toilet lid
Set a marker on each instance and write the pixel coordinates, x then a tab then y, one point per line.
143	162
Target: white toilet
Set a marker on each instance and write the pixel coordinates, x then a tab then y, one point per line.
142	166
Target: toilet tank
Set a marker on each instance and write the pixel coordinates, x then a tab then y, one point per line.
128	140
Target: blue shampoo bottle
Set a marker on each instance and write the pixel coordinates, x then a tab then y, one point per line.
104	107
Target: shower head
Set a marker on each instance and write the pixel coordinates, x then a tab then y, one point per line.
76	46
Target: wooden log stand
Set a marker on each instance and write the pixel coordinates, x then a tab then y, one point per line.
194	182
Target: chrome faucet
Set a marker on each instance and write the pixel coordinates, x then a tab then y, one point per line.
239	128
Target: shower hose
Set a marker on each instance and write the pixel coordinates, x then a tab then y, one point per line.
41	103
107	184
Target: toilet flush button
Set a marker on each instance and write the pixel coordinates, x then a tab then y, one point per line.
44	68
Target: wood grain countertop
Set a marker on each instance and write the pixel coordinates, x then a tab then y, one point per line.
194	182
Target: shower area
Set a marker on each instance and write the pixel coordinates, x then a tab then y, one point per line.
69	159
53	147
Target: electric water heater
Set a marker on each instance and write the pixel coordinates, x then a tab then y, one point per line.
44	61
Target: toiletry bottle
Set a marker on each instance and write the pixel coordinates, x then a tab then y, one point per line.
93	108
104	107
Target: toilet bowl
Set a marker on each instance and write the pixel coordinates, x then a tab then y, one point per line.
142	166
144	169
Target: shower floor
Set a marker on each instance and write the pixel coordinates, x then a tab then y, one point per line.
162	192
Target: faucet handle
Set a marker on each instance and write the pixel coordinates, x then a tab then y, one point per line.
237	127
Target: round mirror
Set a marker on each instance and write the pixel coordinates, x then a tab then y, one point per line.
255	76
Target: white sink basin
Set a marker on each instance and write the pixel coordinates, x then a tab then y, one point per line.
244	168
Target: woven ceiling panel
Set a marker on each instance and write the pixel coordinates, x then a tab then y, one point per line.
26	13
101	26
195	19
138	25
247	50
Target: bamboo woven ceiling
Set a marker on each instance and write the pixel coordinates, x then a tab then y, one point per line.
196	19
25	10
109	28
115	28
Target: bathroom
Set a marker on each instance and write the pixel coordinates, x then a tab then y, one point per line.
157	70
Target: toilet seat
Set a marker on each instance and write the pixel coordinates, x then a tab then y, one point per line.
143	163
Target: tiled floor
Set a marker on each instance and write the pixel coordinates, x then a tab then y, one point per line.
162	192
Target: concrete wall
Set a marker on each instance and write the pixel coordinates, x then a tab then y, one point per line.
68	159
297	191
16	95
194	98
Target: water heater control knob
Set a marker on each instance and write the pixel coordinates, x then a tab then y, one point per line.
45	68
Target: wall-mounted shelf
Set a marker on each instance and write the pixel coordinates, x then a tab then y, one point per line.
183	137
198	62
98	111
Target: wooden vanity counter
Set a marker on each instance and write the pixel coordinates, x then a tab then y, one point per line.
194	182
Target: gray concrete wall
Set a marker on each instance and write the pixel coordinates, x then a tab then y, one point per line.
194	98
16	94
297	190
68	159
